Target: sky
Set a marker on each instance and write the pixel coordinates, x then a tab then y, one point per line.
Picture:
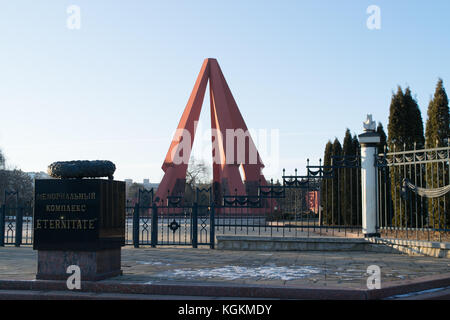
115	88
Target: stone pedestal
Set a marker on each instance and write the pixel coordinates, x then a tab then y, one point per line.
79	222
94	265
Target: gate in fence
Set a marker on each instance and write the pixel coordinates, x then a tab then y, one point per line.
175	222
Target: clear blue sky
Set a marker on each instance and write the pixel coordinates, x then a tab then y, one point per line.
116	88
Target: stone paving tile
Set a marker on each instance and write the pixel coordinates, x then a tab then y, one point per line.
321	269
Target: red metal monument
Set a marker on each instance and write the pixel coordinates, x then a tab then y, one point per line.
232	145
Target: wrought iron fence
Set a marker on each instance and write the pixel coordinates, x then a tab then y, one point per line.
16	222
413	198
179	225
413	201
314	204
339	188
322	202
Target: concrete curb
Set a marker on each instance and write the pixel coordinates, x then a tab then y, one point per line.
191	289
77	295
415	247
228	290
381	245
255	243
410	286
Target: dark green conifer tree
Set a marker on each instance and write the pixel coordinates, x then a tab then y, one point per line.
383	138
356	178
336	184
383	179
347	188
414	137
405	132
397	126
437	133
437	129
326	190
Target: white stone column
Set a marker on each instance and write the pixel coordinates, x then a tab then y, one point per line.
369	141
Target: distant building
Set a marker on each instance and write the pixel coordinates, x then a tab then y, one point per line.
313	201
128	183
38	175
148	185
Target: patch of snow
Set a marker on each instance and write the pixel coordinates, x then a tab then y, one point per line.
238	272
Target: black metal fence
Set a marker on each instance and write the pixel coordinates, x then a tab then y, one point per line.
16	222
413	201
413	194
308	205
171	223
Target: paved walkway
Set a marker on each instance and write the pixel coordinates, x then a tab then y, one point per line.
321	269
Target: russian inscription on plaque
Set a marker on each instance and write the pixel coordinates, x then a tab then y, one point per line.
79	222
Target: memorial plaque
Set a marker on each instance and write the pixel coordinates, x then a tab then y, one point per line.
79	214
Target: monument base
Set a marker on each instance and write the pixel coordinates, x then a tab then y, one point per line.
94	265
